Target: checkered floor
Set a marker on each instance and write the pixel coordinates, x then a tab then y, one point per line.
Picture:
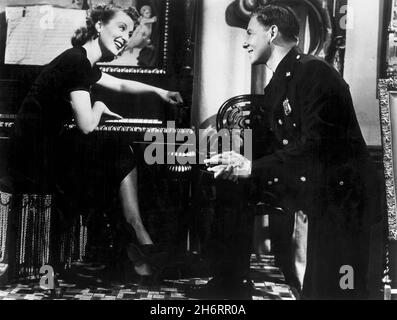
268	280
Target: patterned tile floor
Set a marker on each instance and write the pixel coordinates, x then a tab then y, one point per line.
268	280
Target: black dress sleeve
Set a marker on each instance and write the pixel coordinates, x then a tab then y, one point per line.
77	72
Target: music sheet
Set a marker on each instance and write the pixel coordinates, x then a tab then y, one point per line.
55	3
121	3
37	34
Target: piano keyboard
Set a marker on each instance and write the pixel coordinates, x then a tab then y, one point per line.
133	129
7	116
137	126
135	121
6	125
123	125
7	121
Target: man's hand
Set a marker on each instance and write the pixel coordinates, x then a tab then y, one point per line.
171	97
229	166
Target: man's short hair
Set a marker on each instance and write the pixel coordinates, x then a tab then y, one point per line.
280	16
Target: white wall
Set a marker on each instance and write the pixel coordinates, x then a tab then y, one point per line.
362	44
222	67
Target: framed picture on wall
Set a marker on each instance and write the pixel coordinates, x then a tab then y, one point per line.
38	32
388	58
147	49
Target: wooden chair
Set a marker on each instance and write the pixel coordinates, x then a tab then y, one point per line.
235	114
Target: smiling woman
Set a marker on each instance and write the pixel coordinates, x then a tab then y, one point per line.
112	28
113	36
41	155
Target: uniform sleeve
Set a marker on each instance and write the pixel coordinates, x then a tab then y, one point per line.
319	113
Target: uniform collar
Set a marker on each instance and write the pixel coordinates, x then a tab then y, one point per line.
287	65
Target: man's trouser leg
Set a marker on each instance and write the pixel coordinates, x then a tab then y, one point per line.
289	241
233	229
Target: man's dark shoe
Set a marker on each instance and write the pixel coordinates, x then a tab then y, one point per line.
222	289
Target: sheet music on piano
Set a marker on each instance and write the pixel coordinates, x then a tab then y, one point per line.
37	34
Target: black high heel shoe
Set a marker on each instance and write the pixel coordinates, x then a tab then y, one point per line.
145	258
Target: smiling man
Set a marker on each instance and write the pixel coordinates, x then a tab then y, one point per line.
311	154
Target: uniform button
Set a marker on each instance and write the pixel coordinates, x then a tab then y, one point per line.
270	183
276	180
294	125
285	142
298	57
280	122
303	179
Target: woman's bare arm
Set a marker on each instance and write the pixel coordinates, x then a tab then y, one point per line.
87	117
135	87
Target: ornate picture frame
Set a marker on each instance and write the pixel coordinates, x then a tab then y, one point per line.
387	89
150	56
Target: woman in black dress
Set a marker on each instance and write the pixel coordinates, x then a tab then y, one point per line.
62	93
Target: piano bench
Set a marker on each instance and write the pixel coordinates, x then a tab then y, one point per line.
30	237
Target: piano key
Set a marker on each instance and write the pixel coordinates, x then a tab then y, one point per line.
134	121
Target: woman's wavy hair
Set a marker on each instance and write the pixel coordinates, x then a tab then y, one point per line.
104	14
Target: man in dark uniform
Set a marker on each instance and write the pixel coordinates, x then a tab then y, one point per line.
312	155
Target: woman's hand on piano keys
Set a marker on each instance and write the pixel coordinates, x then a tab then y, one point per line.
171	97
109	113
